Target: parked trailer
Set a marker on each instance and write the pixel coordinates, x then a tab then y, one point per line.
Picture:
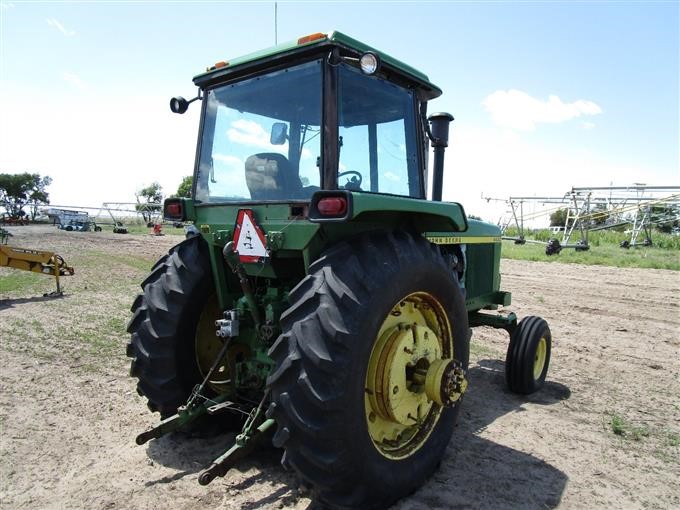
36	261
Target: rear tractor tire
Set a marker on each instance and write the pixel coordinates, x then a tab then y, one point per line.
528	357
172	329
370	369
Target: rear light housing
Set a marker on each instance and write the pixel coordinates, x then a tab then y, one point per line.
174	209
330	205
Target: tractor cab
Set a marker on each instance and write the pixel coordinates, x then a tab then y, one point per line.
322	113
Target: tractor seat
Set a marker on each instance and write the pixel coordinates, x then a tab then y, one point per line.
270	176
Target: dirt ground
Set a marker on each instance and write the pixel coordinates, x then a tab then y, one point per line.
69	413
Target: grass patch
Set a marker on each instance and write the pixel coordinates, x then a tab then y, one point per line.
637	433
622	428
134	261
618	425
21	280
116	324
103	259
602	255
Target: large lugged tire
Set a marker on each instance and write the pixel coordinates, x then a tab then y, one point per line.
528	357
163	326
363	305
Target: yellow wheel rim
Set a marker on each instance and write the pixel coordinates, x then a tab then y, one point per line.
207	346
539	359
410	356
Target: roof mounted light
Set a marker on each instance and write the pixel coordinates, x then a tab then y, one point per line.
369	63
218	65
311	38
180	105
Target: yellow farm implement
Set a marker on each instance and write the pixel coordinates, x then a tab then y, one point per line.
43	262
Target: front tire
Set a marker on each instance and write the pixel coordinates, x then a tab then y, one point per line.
528	356
346	326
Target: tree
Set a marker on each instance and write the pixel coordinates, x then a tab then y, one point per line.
149	201
599	214
20	190
184	189
558	218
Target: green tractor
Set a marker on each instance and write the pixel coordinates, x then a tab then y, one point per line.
321	302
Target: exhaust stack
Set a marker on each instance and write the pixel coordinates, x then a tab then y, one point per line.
439	123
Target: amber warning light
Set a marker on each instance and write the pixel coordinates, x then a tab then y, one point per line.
311	38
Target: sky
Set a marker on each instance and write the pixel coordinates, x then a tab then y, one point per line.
546	95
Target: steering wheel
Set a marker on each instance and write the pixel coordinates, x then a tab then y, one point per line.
353	184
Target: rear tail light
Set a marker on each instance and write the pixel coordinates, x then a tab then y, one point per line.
332	206
173	210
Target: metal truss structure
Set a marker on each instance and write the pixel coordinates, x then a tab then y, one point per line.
597	208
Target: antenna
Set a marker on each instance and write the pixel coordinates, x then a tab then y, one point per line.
276	23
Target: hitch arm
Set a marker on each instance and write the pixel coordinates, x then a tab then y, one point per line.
242	447
184	416
245	442
189	412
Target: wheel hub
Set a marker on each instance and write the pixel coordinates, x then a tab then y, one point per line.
411	376
396	393
539	359
445	382
207	346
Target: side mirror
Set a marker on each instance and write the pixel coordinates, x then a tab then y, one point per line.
279	133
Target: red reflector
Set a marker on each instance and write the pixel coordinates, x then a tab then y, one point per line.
332	206
173	209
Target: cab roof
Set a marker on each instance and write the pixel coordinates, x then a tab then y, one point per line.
306	45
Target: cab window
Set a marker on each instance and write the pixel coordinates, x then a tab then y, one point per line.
377	136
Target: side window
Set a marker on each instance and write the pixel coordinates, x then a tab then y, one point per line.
354	162
377	130
393	160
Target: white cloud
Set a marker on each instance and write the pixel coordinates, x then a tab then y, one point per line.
57	24
588	125
232	161
248	132
392	176
518	110
75	80
6	5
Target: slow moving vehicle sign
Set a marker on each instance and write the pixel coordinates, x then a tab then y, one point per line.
249	237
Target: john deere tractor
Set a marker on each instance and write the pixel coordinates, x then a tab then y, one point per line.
321	302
